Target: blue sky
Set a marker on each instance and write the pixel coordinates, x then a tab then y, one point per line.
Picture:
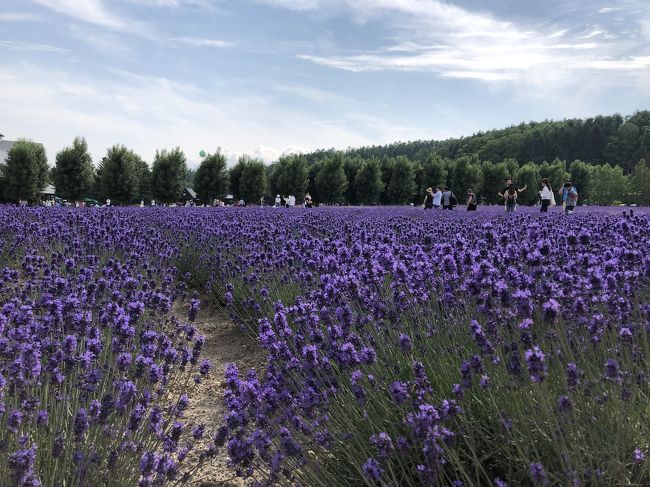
264	77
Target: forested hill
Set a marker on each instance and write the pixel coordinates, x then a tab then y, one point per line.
603	139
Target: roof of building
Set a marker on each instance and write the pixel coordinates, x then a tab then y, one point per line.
5	147
49	189
191	193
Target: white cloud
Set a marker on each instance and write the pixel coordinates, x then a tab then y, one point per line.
149	113
31	46
19	17
199	42
105	42
606	10
453	42
92	11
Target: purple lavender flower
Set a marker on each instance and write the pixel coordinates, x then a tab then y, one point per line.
371	470
535	360
550	310
195	305
81	422
612	370
538	474
399	391
638	456
405	342
564	404
383	444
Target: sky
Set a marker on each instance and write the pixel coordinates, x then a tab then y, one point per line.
268	77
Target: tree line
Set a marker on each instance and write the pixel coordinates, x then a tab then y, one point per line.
598	140
388	175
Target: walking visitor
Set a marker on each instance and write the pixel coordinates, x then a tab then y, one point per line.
428	199
471	200
437	197
448	199
548	199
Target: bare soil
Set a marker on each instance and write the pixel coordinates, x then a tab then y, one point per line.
224	343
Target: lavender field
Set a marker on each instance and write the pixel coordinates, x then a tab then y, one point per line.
402	347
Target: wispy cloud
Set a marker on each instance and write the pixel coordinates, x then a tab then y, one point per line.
105	42
454	42
606	10
31	46
149	113
19	17
200	42
91	11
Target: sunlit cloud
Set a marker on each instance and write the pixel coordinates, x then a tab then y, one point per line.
31	46
199	42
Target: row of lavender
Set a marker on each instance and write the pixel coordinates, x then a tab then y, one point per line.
92	363
404	348
407	348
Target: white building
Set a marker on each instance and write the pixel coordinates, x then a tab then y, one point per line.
5	147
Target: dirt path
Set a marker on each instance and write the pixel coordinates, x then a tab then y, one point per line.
224	343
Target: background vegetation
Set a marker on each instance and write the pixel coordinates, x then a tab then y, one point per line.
604	156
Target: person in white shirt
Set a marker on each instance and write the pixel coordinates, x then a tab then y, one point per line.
437	197
292	201
278	201
547	196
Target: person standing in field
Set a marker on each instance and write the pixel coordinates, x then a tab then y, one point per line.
308	201
437	197
511	199
448	199
548	200
471	200
571	197
428	199
510	185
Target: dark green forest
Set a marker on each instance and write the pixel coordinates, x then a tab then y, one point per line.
605	157
613	139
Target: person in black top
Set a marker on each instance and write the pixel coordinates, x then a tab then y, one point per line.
448	199
428	199
509	194
471	200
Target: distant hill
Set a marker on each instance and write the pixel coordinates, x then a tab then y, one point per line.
611	139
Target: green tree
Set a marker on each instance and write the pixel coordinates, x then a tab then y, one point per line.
434	172
466	174
494	176
168	175
211	178
367	182
234	174
74	173
512	166
402	187
581	175
26	171
291	176
189	178
386	164
528	175
314	169
3	184
351	166
609	184
556	173
331	182
252	181
118	175
640	183
144	176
